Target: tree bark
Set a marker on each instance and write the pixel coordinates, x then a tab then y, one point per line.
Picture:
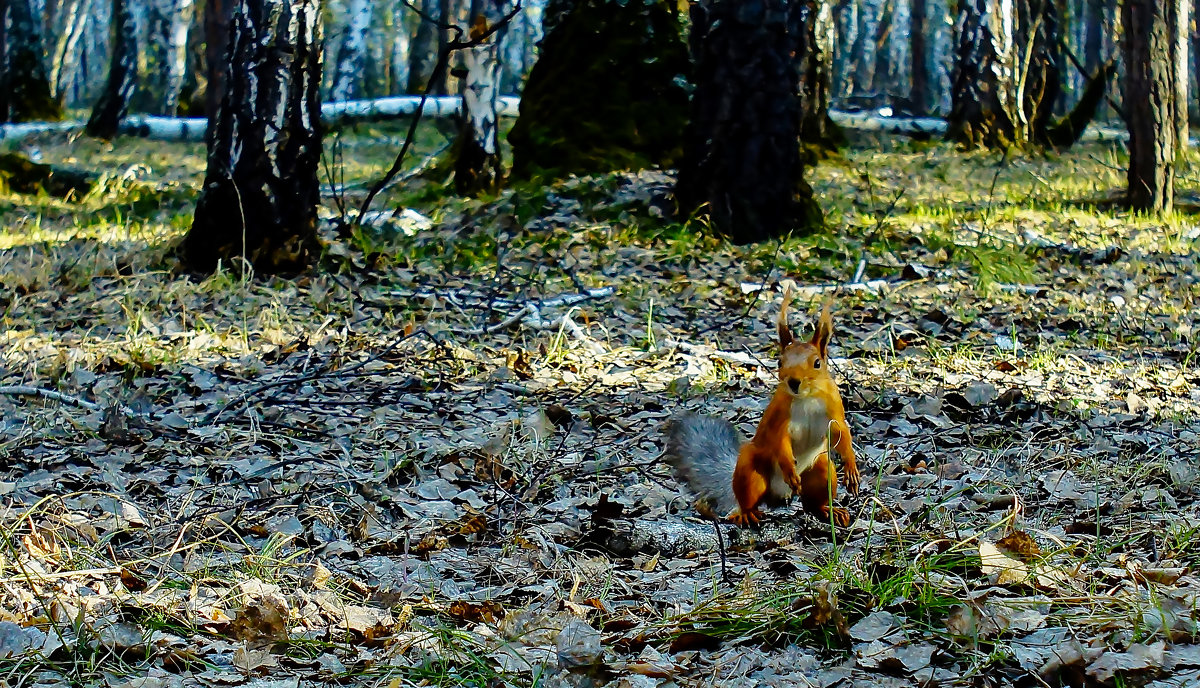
4	104
352	52
423	50
400	50
217	17
110	109
1178	21
742	165
260	194
816	79
193	89
984	79
166	56
918	95
27	83
75	14
477	168
1149	105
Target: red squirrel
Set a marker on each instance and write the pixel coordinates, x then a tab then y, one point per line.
789	452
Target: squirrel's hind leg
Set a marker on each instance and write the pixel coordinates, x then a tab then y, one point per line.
817	490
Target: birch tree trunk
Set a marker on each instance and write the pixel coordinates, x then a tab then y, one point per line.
816	78
166	56
401	51
984	81
940	25
896	65
352	53
27	82
193	89
1178	19
66	47
477	168
918	95
742	165
122	73
260	194
867	47
1150	105
846	14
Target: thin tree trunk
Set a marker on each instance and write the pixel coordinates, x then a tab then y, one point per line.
1149	105
122	73
477	168
193	89
446	10
166	56
66	47
870	14
918	95
260	193
742	165
400	51
816	128
27	81
847	36
352	53
1178	19
4	104
423	50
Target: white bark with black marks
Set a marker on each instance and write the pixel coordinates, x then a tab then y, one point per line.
260	194
477	168
352	52
122	73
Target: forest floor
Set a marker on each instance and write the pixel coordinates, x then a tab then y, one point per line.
384	472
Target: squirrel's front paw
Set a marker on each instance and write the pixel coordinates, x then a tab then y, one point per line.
744	519
853	478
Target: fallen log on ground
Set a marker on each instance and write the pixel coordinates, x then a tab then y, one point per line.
22	175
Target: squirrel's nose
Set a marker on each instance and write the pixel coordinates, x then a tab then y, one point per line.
794	385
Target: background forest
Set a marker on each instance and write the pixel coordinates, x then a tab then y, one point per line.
337	340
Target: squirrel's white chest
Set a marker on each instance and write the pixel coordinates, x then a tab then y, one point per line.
809	429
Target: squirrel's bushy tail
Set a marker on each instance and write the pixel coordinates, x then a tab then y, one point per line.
704	452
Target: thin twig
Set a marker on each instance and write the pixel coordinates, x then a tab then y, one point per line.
29	391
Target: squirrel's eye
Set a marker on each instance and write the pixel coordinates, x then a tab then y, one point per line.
816	364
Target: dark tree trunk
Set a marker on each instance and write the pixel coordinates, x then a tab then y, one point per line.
477	167
217	17
1039	73
122	74
919	95
606	92
742	164
1149	105
816	79
260	194
3	61
1093	41
440	84
982	80
27	83
423	50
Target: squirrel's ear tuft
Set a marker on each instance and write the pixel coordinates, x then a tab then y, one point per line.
823	331
785	333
